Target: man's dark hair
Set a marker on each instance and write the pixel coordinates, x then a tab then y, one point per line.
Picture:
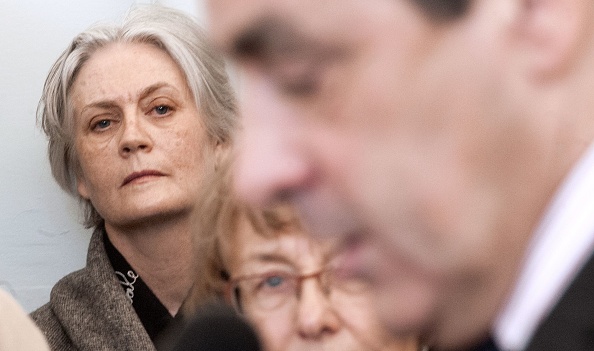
443	9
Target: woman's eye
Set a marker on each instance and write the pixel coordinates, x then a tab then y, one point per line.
102	124
274	281
162	109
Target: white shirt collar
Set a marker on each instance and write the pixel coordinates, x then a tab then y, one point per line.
561	245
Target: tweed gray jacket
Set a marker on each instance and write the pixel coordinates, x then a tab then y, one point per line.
89	310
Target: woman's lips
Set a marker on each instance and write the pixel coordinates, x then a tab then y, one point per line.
137	175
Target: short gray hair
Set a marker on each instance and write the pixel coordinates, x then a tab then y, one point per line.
170	30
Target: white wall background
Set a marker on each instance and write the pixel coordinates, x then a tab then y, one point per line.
41	238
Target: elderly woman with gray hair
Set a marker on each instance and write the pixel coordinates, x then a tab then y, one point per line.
137	114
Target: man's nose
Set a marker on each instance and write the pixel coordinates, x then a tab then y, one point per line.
270	163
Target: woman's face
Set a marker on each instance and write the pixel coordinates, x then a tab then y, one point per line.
317	319
139	137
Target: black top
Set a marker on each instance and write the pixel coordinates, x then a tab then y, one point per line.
153	315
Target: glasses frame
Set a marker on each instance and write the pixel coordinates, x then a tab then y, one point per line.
233	283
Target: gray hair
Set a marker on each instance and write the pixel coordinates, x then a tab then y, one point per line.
171	31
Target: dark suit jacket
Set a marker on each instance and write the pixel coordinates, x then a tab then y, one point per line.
570	326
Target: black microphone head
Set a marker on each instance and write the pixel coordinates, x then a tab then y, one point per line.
217	327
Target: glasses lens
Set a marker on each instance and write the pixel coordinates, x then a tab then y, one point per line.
332	280
265	292
273	290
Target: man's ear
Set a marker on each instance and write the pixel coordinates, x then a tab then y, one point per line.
553	33
221	152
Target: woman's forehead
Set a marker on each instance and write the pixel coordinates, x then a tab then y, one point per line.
290	246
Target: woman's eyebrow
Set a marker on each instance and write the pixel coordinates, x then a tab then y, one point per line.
107	104
261	257
103	104
155	87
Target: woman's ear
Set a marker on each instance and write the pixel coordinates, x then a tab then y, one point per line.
81	187
552	33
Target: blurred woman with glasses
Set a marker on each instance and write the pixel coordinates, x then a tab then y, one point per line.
283	281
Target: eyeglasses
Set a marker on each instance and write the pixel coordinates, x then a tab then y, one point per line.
274	289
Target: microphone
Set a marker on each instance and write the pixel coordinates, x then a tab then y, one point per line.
217	327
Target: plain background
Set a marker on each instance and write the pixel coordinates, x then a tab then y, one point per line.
41	238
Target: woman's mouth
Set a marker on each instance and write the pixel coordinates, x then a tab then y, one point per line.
138	176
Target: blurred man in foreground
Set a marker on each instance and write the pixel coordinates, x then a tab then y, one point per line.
447	143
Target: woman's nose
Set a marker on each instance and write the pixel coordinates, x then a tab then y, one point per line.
134	136
316	317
